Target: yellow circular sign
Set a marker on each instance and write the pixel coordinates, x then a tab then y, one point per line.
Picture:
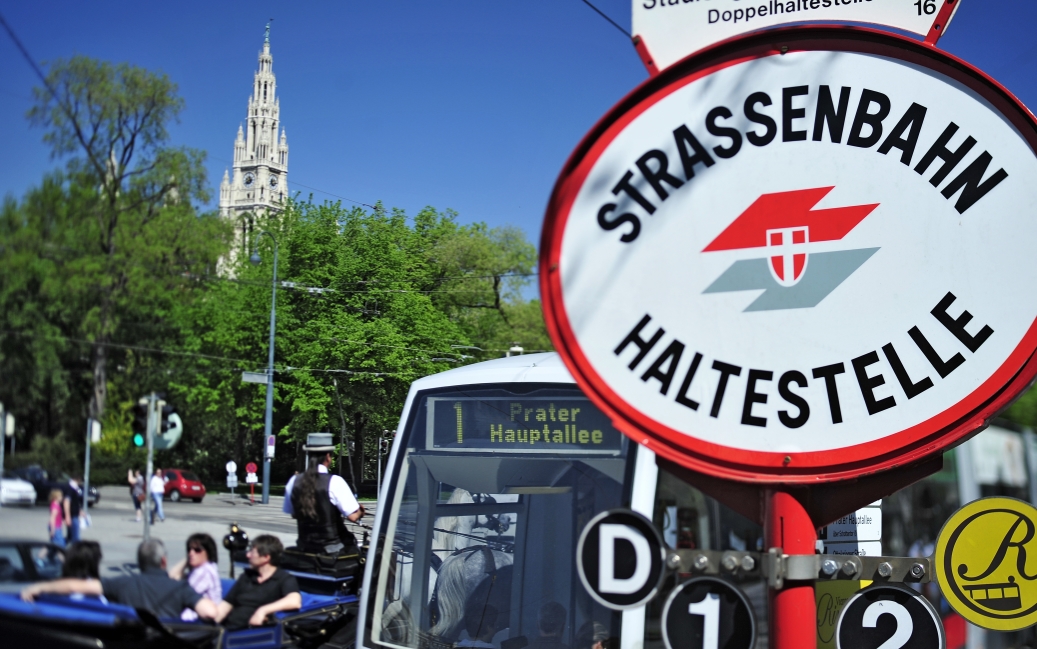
986	563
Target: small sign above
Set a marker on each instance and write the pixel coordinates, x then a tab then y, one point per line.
984	563
231	466
619	558
665	31
254	377
250	467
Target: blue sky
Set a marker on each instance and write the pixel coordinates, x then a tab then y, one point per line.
457	104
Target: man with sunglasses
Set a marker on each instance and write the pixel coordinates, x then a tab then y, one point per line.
151	590
261	590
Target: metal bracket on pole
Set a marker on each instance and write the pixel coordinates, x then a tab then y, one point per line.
779	567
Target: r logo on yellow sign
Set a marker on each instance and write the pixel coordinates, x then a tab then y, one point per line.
986	563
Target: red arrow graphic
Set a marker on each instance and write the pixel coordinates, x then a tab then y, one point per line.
787	210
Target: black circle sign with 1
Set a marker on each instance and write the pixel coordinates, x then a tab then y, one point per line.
889	617
620	559
708	613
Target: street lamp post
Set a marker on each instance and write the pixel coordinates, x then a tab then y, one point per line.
268	423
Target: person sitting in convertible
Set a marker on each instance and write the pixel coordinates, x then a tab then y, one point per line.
151	590
261	589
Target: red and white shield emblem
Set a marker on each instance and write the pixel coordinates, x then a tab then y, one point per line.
786	249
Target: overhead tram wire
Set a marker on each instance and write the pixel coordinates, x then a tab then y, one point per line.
242	364
606	17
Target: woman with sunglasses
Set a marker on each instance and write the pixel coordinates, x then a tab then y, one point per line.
200	570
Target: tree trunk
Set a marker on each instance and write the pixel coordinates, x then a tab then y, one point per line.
100	394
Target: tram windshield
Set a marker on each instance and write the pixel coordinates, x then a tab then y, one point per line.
492	488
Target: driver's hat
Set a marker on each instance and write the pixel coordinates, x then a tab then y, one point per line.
319	443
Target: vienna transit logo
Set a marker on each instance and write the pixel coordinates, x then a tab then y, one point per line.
784	224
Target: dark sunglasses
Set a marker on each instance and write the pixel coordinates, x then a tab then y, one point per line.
195	549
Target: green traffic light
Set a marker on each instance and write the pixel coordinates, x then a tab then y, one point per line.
138	440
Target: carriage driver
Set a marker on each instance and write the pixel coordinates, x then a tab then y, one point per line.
318	501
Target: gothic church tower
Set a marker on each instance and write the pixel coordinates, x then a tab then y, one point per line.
259	183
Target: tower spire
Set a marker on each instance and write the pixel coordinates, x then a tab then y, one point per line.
266	36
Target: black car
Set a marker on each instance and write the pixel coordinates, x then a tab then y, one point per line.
43	483
23	562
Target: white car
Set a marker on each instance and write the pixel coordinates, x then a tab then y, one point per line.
15	491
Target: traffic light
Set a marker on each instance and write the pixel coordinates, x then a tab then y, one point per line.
140	424
170	427
166	411
383	446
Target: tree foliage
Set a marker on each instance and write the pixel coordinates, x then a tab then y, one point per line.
115	285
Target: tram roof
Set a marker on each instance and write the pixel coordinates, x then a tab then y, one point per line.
527	368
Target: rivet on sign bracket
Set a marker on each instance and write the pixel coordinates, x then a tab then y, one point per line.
779	567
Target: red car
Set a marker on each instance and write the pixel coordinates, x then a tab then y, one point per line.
181	484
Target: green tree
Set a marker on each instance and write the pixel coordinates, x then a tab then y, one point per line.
133	225
369	301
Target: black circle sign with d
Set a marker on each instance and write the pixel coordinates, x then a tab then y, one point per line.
884	616
708	613
620	559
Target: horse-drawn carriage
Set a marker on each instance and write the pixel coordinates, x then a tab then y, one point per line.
326	619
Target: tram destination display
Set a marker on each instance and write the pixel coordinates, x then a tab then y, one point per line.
531	424
798	256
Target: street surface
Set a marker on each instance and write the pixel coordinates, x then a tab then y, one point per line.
114	527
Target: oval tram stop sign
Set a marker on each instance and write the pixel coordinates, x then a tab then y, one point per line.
801	255
986	563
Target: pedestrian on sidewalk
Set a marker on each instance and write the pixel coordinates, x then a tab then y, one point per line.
73	507
137	489
56	525
158	492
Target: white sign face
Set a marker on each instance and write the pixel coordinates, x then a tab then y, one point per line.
231	466
862	525
798	263
672	29
251	478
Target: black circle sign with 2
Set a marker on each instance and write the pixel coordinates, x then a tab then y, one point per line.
889	617
620	559
708	613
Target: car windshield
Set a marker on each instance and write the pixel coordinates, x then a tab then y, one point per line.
190	477
492	489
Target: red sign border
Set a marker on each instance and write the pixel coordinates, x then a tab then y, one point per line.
940	432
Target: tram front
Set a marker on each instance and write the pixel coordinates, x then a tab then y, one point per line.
496	469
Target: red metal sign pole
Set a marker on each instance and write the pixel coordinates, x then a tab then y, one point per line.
793	612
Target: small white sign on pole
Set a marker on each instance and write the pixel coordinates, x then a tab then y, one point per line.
251	478
253	377
232	481
859	533
665	31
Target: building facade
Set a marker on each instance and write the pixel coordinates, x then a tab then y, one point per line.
257	183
